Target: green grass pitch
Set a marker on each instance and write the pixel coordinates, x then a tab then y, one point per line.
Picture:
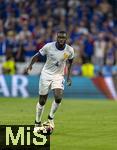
79	124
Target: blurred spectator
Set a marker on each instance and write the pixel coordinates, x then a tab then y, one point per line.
1	27
76	69
2	9
107	69
89	47
110	52
91	24
10	23
3	46
99	49
24	33
40	44
105	7
29	47
8	67
13	43
88	69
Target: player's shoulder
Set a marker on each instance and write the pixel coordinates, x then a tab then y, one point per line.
70	48
50	43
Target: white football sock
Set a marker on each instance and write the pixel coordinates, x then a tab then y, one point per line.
39	112
54	108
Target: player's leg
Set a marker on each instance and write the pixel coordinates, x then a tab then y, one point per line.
57	86
40	108
44	85
58	94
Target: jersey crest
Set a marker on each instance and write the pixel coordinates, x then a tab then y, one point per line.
65	56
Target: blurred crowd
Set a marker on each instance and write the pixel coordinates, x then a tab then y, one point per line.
25	26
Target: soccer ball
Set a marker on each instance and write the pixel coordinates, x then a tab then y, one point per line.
47	129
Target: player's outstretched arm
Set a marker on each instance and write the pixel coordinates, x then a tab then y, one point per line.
33	60
69	82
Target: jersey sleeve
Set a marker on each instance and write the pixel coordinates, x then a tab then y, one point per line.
43	50
71	56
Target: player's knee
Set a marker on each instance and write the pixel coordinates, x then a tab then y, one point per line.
42	100
42	103
58	98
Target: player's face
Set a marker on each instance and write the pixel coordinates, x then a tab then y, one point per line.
61	38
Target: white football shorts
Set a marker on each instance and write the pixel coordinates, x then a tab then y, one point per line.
50	82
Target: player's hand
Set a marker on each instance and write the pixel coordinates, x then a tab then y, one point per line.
29	68
69	82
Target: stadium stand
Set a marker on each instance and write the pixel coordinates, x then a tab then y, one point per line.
25	26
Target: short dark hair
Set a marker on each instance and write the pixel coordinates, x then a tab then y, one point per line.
63	32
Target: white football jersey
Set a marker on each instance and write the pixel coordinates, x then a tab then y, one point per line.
56	59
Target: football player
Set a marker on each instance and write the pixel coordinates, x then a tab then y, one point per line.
52	75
